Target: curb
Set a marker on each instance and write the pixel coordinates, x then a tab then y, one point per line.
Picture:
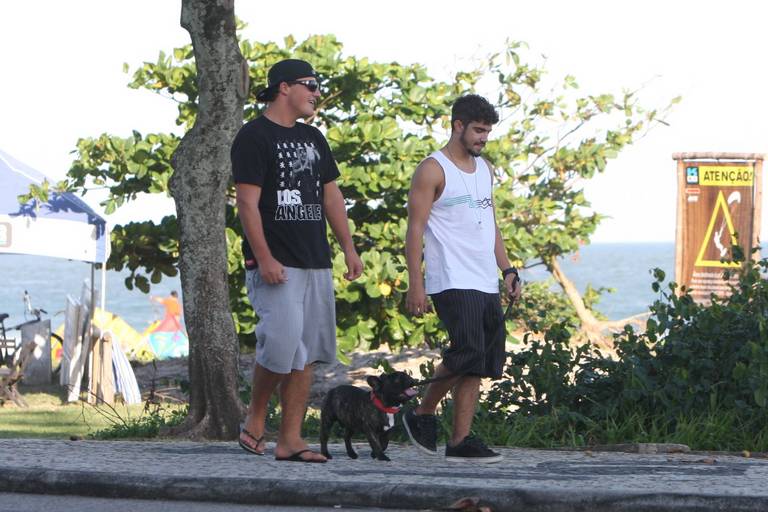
273	491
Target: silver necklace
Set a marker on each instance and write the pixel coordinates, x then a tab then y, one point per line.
473	201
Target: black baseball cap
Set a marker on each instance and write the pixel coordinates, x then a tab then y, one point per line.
285	71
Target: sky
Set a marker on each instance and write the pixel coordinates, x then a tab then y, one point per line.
62	75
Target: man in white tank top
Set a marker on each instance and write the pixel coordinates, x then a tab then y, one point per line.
452	226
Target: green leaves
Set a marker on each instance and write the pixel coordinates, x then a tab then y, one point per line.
125	166
761	397
381	119
692	363
145	248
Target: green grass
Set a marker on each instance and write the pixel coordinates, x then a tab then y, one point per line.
711	431
48	416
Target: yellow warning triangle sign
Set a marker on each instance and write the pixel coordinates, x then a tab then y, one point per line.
720	205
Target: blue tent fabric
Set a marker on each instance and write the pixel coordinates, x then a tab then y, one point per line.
16	178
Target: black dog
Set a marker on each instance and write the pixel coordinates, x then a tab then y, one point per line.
370	412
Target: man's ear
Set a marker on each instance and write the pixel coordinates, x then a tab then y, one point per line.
457	126
374	382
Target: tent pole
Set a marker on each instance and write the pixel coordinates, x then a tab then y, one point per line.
104	286
92	307
93	293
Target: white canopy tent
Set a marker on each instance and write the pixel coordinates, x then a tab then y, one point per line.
63	227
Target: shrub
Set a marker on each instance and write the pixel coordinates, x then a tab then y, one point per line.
696	370
152	420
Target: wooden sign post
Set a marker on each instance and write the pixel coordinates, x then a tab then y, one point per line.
719	198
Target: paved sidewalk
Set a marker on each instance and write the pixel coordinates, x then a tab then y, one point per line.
529	480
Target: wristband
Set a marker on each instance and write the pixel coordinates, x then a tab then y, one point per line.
507	271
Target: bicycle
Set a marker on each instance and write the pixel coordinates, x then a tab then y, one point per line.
8	346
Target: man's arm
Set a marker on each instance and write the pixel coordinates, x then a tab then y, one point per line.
425	184
336	213
248	197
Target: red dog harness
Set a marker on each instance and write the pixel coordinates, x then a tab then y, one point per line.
389	411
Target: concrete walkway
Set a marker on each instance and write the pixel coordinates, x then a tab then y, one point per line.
527	480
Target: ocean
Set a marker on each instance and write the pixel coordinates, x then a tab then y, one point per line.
622	266
49	280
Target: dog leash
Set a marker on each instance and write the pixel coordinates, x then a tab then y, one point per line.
508	311
436	379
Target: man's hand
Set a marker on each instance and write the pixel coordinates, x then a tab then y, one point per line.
272	271
416	301
354	265
514	286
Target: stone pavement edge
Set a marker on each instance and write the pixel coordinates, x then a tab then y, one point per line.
529	480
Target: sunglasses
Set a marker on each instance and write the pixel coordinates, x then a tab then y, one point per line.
312	85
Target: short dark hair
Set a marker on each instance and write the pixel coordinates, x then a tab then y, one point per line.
174	293
268	96
473	107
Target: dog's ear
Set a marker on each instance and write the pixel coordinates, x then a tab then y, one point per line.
374	382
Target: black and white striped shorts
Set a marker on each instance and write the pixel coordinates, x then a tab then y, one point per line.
475	324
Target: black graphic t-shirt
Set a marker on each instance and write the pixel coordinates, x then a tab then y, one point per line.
291	165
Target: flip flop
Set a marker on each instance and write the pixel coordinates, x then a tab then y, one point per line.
245	446
296	457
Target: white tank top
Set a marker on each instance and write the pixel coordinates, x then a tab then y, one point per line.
460	235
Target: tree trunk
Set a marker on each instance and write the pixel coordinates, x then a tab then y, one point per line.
592	329
588	320
199	183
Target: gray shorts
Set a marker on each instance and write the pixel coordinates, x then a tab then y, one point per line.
297	319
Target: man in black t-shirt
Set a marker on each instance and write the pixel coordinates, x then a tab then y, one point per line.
285	176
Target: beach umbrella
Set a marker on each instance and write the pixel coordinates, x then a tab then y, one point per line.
63	227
